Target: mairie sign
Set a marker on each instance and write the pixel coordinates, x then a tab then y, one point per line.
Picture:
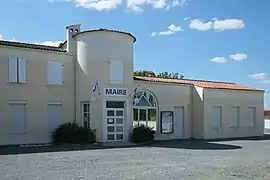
115	92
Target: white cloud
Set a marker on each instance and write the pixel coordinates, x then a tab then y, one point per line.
260	77
228	24
172	29
46	43
2	38
49	43
217	25
200	25
135	5
219	60
238	56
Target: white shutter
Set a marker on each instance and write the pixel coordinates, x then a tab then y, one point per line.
12	69
60	67
235	117
116	71
216	117
250	117
22	70
54	72
54	116
18	118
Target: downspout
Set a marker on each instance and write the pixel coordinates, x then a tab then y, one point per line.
192	113
75	88
203	133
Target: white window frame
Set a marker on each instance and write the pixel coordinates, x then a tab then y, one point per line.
14	103
237	124
53	82
220	120
83	112
147	109
112	78
20	70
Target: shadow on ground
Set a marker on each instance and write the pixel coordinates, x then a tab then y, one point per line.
259	138
12	150
194	144
181	144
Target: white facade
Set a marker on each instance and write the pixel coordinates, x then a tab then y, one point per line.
89	80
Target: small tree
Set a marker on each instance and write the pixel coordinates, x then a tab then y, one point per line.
147	73
142	134
73	134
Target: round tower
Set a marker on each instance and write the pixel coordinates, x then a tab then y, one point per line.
104	69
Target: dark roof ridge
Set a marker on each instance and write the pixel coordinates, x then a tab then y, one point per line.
210	81
101	29
31	45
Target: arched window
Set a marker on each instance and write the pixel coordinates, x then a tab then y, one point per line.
145	109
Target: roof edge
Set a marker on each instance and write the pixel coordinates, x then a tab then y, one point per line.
137	78
101	30
107	30
142	78
31	46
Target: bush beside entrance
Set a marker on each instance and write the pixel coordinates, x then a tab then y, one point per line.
72	133
142	134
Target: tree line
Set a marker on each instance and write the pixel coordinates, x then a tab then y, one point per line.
169	75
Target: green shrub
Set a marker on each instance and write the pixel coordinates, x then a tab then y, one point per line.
142	134
72	133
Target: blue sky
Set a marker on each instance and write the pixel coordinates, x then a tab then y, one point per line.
224	40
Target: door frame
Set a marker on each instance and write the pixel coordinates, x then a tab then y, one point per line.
82	112
114	124
127	116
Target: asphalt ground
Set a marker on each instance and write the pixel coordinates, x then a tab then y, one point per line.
241	159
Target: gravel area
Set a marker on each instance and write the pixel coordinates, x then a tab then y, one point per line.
188	160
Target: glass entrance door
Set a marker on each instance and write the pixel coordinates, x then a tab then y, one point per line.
114	124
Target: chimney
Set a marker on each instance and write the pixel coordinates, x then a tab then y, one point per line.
71	31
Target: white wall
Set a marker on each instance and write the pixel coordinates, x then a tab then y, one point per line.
267	124
227	99
36	92
168	96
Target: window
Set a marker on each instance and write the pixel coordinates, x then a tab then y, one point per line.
18	117
251	117
216	117
54	114
145	109
17	70
166	122
116	71
86	114
115	104
235	119
54	72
